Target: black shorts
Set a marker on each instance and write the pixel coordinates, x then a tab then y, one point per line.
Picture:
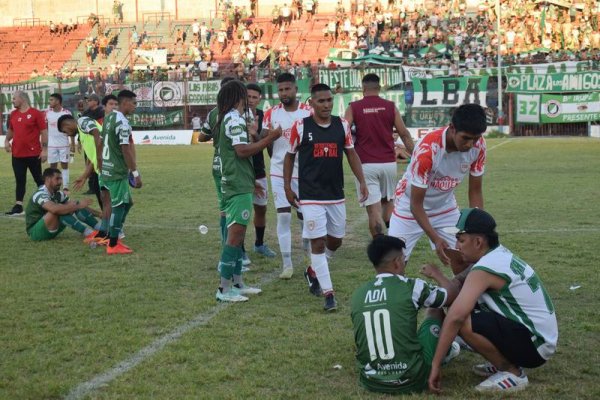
512	339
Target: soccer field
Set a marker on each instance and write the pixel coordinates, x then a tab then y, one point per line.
76	323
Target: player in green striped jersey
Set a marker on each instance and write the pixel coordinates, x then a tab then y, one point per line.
392	356
49	211
237	184
210	131
118	160
89	131
514	326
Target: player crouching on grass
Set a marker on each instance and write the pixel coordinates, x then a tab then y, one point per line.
321	141
515	325
392	355
237	184
49	210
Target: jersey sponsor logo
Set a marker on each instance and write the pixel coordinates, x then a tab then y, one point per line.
327	150
445	184
395	366
376	296
374	110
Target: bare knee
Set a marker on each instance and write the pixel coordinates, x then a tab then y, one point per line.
317	245
333	243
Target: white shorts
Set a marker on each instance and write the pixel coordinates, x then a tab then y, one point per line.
410	231
279	194
58	154
381	181
324	219
264	199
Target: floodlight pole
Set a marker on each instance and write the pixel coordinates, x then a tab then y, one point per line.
500	111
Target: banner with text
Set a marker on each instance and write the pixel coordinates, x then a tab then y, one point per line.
157	119
202	93
528	108
351	79
162	137
450	92
553	83
341	101
429	117
570	108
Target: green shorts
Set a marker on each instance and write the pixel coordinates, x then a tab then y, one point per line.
238	209
217	179
429	334
120	193
39	232
101	184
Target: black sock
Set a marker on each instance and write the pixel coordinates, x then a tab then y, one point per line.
260	235
243	248
387	224
113	241
101	234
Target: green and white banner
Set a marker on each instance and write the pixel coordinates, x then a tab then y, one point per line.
431	117
570	108
351	79
202	93
528	108
37	92
550	68
450	92
341	101
554	83
156	120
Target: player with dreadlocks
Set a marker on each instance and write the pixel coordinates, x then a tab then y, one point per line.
237	183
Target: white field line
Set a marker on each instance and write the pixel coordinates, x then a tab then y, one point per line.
103	379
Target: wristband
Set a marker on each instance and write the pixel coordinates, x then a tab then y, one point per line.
135	173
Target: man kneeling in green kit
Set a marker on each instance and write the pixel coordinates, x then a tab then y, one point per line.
49	211
392	355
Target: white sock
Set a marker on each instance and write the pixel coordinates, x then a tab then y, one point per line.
284	234
319	264
65	176
329	253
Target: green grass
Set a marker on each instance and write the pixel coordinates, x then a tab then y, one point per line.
69	313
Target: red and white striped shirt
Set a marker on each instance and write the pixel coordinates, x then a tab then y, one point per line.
438	171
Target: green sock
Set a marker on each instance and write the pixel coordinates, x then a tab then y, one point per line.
238	265
116	221
105	225
127	208
72	222
229	257
87	217
223	224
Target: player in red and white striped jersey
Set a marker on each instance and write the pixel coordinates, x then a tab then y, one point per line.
425	201
284	115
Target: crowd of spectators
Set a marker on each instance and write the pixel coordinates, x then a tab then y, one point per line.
449	35
437	35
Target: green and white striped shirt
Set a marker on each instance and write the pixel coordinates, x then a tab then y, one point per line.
523	299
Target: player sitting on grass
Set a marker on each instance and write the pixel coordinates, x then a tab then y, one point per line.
392	355
515	325
49	210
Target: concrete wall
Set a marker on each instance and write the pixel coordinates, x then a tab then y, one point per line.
64	10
